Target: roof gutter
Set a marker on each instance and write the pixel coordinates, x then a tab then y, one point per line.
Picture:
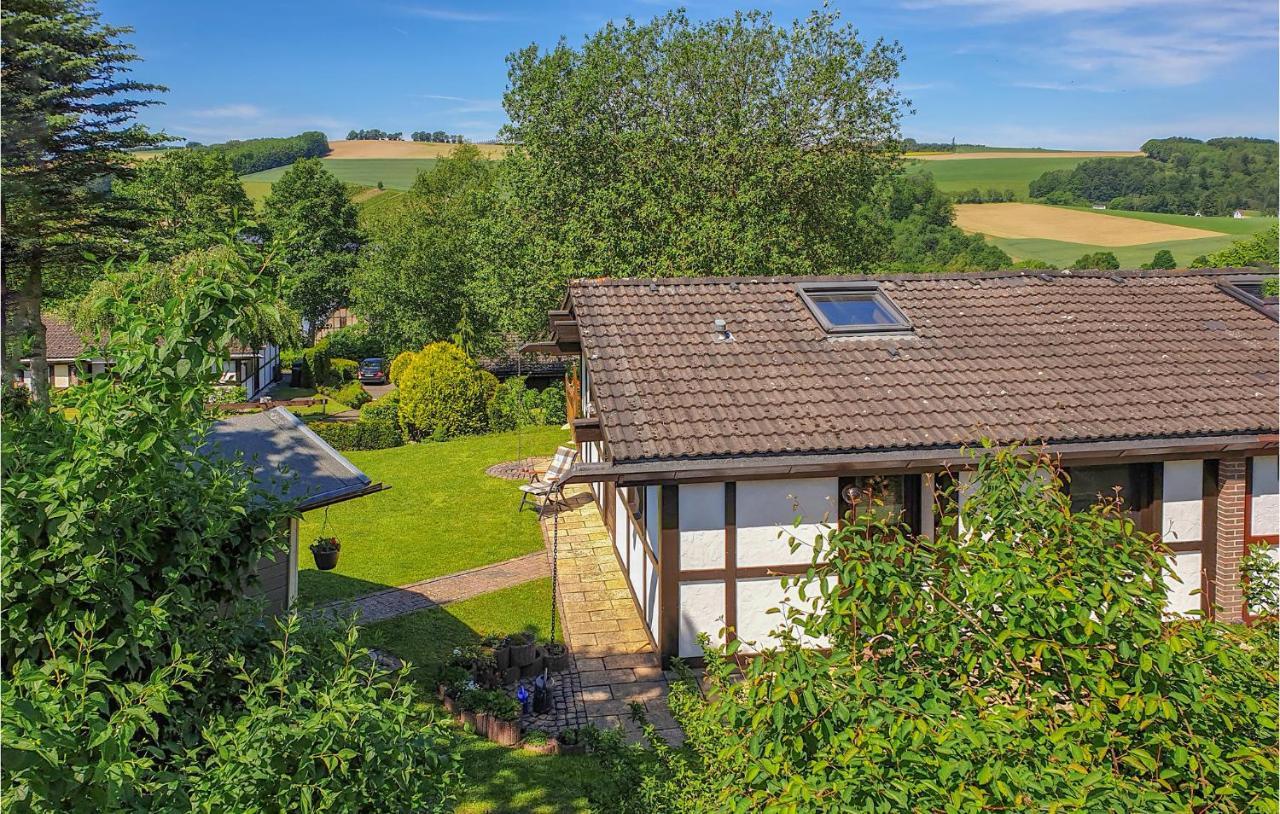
909	460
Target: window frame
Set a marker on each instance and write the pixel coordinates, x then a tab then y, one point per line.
807	291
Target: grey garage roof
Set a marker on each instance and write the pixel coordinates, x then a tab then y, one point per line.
289	459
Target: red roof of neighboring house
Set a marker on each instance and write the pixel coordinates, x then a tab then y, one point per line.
1062	357
62	342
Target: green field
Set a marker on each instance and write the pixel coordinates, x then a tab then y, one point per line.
1226	225
982	173
394	173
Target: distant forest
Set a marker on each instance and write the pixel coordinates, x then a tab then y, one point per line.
1177	175
374	134
255	155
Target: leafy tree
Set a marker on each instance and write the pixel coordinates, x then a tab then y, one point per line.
413	282
309	208
691	148
136	676
192	198
1097	260
1262	249
1019	660
1163	260
924	238
67	121
257	154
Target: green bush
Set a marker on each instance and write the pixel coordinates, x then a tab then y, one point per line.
1022	664
551	403
343	370
354	342
351	394
367	433
316	358
443	394
398	365
386	408
234	394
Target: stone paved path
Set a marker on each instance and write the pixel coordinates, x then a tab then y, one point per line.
616	663
431	593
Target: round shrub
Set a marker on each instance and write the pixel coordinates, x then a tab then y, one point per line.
398	365
443	394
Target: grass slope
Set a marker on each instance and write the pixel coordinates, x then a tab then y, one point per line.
394	173
442	514
1230	226
1001	173
499	780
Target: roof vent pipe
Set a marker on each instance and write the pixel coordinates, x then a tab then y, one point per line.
722	331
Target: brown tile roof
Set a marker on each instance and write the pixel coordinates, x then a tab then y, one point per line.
62	342
1058	357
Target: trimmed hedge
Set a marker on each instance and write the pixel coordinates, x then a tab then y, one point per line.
386	408
343	370
365	434
351	394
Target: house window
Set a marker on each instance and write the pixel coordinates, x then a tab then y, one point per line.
1255	290
1132	483
853	308
886	497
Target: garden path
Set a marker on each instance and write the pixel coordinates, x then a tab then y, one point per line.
430	593
615	661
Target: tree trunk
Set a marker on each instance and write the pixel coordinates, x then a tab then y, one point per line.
29	303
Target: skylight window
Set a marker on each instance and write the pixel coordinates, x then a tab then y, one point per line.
853	308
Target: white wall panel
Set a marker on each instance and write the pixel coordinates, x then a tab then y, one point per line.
1187	565
756	625
701	611
1265	518
652	517
701	526
766	518
620	523
635	573
1182	510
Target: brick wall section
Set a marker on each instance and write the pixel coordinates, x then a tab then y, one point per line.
1227	591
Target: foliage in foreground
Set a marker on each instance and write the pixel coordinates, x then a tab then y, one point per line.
136	676
1022	665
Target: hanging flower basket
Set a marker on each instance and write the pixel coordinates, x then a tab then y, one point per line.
325	551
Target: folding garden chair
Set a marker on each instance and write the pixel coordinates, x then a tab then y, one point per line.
549	488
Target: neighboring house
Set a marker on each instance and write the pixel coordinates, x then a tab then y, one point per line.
718	411
289	460
1238	214
255	368
338	320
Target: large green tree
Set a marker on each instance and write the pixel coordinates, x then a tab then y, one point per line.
67	106
310	210
417	276
675	147
192	199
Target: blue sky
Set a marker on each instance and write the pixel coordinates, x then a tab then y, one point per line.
1085	74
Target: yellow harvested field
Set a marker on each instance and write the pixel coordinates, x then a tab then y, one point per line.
1022	220
404	149
1028	154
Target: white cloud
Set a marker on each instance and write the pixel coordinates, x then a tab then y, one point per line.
455	16
238	111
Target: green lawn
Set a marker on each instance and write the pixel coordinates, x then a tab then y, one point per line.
1226	225
1062	254
1000	173
285	392
498	779
394	173
442	514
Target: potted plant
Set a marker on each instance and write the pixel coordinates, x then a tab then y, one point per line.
571	742
504	722
556	656
325	550
538	742
471	701
523	649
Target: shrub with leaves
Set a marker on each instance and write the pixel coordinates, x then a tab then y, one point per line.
386	408
1022	665
1261	582
351	394
135	674
365	434
443	394
343	370
398	366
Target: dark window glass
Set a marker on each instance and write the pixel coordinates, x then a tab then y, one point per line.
882	495
1089	484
